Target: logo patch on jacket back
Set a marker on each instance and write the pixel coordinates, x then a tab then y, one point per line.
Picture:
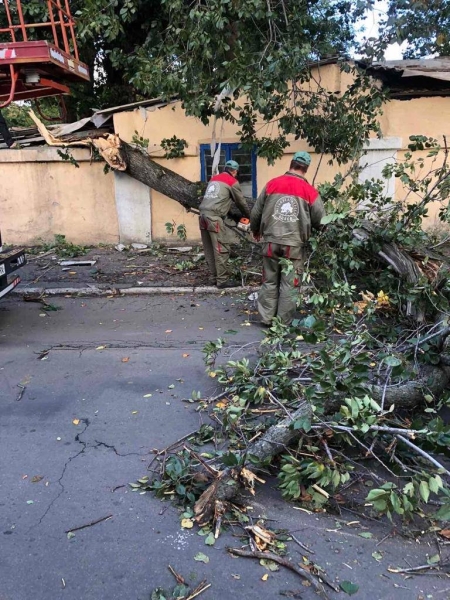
286	209
212	191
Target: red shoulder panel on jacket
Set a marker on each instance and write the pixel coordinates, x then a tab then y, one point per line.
224	178
293	186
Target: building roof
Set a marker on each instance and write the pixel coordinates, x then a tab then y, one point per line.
99	123
412	78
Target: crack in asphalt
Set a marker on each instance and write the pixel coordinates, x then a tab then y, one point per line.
86	446
66	464
112	447
114	345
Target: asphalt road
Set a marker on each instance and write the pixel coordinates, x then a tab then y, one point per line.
76	415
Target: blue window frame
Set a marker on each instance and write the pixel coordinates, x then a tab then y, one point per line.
245	158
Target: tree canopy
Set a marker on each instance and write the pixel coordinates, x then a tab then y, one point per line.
424	24
235	60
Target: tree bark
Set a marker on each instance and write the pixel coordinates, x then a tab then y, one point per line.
401	262
141	167
137	164
278	437
124	157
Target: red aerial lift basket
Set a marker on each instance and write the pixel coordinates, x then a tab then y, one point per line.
33	68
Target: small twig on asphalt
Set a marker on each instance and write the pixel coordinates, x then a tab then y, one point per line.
384	539
419	569
359	514
117	487
218	397
89	524
299	569
22	391
301	545
199	590
210	469
179	578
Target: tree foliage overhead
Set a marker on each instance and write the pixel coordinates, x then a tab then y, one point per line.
236	60
424	24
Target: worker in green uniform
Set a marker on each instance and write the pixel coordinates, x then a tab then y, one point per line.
283	215
222	190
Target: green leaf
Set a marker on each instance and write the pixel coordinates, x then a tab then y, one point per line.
433	484
377	556
309	321
303	423
210	540
200	557
424	490
375	494
380	505
365	534
392	361
230	459
159	594
348	587
434	560
443	514
269	564
230	332
180	591
331	218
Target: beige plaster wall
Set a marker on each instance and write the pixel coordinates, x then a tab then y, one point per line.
159	123
427	116
40	196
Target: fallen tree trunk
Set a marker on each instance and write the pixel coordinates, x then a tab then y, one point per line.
401	262
278	437
137	164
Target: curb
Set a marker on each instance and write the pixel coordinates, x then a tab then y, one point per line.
131	291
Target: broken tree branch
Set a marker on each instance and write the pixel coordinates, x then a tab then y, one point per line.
279	436
299	569
424	454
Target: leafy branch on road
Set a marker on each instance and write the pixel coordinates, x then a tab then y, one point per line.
368	388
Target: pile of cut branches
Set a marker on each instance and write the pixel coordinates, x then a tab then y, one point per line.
355	386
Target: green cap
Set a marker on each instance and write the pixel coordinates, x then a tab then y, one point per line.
304	158
232	164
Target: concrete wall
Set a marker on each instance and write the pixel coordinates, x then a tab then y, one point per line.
40	196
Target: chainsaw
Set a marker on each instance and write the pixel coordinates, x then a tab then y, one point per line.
244	225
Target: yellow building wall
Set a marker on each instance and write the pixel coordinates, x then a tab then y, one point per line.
165	122
40	196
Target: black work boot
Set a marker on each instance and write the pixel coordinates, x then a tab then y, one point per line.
230	283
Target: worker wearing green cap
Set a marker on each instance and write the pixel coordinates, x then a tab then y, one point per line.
286	210
222	190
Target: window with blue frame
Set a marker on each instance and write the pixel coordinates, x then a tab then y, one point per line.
245	158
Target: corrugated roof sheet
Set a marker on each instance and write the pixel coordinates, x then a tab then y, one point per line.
433	68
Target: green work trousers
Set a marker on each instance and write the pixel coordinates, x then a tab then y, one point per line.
216	246
278	294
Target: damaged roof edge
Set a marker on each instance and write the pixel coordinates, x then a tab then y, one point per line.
432	68
152	102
